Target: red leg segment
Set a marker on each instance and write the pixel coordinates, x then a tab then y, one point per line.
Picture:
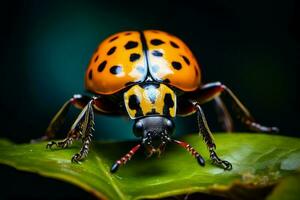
124	159
190	149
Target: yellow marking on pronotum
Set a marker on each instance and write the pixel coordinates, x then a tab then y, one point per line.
151	98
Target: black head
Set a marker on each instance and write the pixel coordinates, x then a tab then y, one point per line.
155	132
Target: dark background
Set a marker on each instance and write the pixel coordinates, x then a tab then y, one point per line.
251	46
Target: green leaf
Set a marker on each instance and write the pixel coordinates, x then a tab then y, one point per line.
258	160
287	189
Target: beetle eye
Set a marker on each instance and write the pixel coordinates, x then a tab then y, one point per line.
169	126
138	129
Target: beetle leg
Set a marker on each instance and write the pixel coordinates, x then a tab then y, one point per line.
124	159
79	101
73	134
212	91
206	93
223	115
61	144
245	116
208	138
84	125
102	105
190	149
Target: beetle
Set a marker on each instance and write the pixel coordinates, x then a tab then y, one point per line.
152	77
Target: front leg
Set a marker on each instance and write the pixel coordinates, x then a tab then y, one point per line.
77	130
83	127
79	101
87	129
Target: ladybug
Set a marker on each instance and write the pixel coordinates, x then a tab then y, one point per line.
152	77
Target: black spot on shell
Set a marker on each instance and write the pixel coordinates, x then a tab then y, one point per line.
157	53
102	66
168	103
186	60
115	69
95	60
134	57
129	33
134	104
173	44
131	45
156	42
176	65
111	51
90	74
114	38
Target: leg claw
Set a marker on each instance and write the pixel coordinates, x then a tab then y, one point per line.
223	164
50	144
76	158
226	165
63	144
219	162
